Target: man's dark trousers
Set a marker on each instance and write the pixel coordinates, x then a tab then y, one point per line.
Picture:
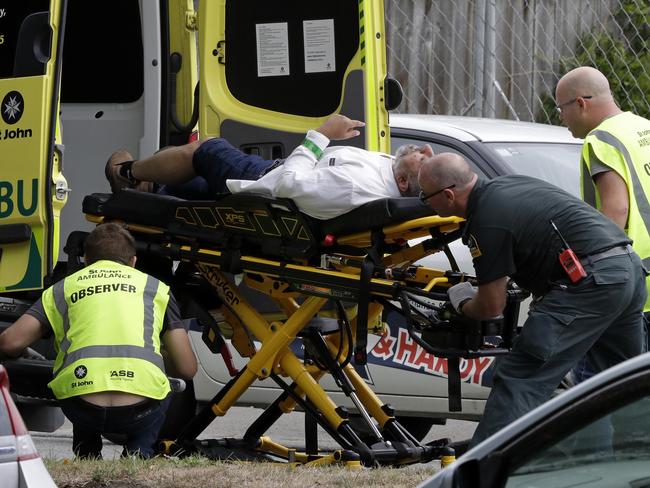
601	317
138	424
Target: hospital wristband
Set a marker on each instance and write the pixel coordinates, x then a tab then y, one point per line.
318	152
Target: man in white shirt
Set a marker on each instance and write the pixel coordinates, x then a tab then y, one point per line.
324	182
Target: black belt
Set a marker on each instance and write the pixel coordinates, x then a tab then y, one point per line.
608	253
562	281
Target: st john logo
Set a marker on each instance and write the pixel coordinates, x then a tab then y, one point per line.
81	371
12	108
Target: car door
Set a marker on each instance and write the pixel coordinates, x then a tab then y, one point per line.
270	71
596	434
602	439
32	187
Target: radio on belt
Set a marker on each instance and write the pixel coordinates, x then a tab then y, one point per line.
569	260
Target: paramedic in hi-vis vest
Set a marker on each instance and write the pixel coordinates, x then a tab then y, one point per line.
109	321
615	162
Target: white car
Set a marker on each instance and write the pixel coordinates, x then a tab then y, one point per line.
400	371
20	464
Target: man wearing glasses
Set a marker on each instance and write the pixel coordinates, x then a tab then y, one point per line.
615	158
324	182
510	234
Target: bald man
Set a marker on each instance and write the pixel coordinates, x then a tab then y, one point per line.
615	158
509	234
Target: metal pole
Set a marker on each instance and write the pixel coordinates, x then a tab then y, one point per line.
414	92
505	100
479	56
489	104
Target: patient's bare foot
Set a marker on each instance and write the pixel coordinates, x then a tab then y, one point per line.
117	179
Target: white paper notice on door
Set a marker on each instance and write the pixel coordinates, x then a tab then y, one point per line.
272	49
319	45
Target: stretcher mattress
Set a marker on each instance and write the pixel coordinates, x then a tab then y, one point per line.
275	225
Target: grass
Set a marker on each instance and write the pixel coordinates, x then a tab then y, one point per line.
198	472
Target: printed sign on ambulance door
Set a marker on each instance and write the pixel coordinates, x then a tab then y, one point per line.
29	33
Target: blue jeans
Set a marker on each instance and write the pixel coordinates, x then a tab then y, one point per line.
136	425
214	162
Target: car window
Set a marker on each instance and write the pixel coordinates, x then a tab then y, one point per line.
611	451
556	163
396	142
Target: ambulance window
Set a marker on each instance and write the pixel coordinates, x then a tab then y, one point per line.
269	61
12	15
102	53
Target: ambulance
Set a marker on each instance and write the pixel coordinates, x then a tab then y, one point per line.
81	79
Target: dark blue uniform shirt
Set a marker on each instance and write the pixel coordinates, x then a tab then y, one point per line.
509	231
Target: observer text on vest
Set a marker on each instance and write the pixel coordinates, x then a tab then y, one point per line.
94	290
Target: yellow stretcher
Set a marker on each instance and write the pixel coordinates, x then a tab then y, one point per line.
304	266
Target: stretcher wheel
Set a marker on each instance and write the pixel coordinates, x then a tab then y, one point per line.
167	447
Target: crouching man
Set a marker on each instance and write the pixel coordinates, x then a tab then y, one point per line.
108	321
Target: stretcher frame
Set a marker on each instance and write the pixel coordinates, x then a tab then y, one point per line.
305	265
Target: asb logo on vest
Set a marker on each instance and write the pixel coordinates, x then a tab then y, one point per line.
81	371
122	373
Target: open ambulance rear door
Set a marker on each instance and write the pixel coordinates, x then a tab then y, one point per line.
32	187
271	70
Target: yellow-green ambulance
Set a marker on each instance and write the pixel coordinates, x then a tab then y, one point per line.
80	79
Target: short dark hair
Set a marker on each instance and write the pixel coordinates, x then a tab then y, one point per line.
109	241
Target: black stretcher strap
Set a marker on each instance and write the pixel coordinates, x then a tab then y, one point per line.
367	270
453	384
360	354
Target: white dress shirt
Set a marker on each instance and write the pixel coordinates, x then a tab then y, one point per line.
342	179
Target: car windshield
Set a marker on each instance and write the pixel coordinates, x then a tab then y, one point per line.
556	163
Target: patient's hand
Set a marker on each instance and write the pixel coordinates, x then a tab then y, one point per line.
339	127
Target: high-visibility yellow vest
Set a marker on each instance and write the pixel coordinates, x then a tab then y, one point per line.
107	320
622	143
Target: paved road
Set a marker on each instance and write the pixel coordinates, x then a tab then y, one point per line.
288	431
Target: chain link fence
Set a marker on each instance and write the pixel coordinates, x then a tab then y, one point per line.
502	58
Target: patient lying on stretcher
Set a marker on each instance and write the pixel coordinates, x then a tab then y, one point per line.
324	182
